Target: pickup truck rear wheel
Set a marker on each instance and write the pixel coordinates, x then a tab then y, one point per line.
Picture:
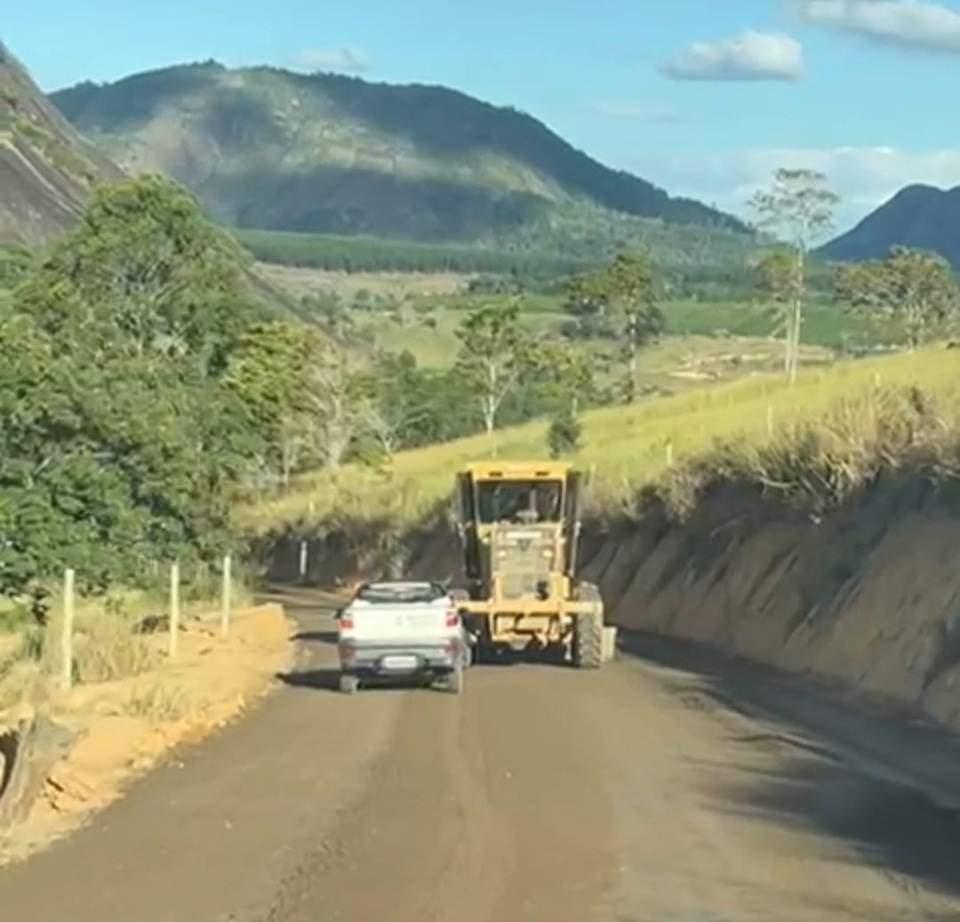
454	680
349	684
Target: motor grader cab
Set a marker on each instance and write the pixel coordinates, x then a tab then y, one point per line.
519	524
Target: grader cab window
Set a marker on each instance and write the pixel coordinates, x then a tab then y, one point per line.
520	502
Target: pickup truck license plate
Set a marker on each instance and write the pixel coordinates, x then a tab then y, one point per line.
400	663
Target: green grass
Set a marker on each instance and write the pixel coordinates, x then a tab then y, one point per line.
824	324
435	345
624	448
431	338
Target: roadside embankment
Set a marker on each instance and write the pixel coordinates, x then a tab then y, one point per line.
66	754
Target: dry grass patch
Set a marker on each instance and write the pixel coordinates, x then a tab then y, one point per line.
625	448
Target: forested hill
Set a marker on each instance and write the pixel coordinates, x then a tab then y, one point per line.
267	148
46	170
920	217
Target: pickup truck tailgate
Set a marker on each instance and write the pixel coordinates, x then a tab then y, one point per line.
365	622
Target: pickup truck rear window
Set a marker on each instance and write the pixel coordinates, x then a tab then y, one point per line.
400	594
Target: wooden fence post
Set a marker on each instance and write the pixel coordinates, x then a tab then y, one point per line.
225	598
66	637
670	453
174	607
303	561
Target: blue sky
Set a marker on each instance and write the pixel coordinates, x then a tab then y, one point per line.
863	89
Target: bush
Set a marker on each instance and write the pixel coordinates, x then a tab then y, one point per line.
563	436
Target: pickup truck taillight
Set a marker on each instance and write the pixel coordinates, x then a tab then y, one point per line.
345	623
453	618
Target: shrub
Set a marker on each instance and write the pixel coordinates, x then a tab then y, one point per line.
563	436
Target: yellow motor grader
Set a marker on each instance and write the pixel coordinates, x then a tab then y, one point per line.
519	523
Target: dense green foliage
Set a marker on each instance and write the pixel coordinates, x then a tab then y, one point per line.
119	442
564	434
14	263
371	254
333	154
695	261
916	289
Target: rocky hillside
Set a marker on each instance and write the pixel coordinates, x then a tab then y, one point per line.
266	148
921	217
46	169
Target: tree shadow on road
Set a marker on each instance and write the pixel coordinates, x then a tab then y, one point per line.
325	637
317	679
881	778
329	680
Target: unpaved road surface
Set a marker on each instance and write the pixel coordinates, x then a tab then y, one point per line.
672	785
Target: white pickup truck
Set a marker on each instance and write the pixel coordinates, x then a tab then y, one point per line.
409	629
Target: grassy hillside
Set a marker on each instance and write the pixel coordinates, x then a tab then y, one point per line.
624	448
266	148
46	170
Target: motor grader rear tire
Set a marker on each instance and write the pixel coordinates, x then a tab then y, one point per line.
588	641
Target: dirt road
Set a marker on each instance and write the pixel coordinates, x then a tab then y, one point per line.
672	785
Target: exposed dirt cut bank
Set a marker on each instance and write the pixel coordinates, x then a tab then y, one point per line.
868	594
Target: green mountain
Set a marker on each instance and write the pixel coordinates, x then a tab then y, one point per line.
46	170
266	148
918	216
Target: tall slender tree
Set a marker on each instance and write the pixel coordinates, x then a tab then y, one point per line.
493	355
779	285
798	207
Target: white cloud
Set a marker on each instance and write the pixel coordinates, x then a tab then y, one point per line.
915	23
748	56
657	115
347	59
864	177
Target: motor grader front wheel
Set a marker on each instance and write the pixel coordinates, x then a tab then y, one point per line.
588	641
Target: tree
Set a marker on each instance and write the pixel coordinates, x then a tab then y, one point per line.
587	301
145	273
632	286
915	288
799	208
335	402
778	282
493	355
568	373
622	297
563	436
267	372
399	408
120	441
